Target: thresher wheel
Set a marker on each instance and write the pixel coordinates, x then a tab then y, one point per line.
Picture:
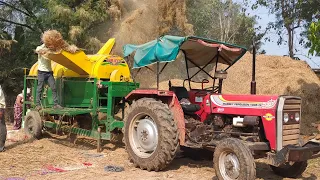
233	160
150	134
288	170
33	124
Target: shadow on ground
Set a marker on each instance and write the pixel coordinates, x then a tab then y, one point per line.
83	143
264	172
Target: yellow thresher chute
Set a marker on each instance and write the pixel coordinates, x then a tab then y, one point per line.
101	65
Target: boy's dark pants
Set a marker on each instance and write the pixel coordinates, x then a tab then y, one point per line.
46	77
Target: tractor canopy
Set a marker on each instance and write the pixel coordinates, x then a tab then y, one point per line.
199	51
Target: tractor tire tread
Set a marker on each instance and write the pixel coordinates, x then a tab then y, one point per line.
168	136
247	163
34	118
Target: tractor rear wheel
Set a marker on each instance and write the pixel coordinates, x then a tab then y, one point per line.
150	134
290	170
233	160
33	124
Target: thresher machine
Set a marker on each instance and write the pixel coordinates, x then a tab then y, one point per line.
156	123
91	89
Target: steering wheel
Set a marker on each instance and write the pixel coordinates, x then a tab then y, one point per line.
204	81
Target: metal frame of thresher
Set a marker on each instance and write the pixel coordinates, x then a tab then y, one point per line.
115	90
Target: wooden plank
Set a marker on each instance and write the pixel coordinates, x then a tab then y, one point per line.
290	142
291	126
290	137
291	131
291	106
292	101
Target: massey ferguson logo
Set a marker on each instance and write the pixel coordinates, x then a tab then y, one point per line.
268	116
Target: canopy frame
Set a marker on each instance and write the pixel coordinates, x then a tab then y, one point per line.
202	69
216	46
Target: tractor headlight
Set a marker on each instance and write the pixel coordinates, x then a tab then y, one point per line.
285	117
297	117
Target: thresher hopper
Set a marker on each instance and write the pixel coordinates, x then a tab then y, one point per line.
91	88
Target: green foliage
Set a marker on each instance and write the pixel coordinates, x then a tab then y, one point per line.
77	20
224	21
314	38
291	15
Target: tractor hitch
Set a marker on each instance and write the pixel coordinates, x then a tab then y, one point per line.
292	153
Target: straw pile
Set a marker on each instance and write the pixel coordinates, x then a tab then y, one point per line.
145	20
275	75
55	43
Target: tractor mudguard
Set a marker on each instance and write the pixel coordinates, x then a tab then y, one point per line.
167	97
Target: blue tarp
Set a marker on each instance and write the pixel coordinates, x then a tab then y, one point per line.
163	49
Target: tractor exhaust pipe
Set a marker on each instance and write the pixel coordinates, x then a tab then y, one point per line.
253	82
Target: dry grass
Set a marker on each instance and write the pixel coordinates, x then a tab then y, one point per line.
54	42
114	12
75	32
145	20
28	159
173	13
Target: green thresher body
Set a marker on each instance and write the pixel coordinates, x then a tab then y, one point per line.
98	96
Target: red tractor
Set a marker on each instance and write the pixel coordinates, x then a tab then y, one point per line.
237	128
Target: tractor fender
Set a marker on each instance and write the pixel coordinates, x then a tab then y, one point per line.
167	97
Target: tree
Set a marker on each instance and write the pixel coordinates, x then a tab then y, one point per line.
311	14
224	21
314	38
78	20
290	16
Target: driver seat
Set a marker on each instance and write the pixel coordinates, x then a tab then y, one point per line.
183	97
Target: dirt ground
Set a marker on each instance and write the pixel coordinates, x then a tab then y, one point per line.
36	160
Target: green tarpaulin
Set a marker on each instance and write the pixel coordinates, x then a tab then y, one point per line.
163	49
199	51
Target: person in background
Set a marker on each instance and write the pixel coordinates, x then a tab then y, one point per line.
3	128
18	108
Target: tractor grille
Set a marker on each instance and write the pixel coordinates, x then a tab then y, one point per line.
291	129
291	134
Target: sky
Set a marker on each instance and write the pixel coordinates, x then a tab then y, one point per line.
271	47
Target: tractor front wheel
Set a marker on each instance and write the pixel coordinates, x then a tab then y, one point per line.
33	124
150	134
290	170
233	160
